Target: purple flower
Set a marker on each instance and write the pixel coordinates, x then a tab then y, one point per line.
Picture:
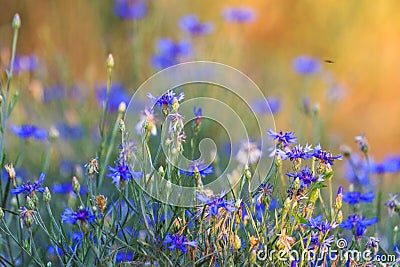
305	65
358	223
65	188
28	188
178	242
265	106
201	168
192	25
297	152
215	203
73	132
390	164
124	256
305	176
117	95
165	99
83	215
355	197
170	52
121	171
27	63
325	156
282	138
320	225
238	14
130	9
357	171
27	131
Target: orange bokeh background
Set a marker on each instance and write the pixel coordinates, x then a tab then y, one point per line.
362	38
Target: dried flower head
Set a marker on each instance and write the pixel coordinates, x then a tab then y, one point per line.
101	202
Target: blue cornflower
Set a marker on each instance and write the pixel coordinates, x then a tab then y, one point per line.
66	188
169	52
124	256
355	197
27	131
28	188
268	105
74	132
297	152
358	223
117	95
178	242
282	138
305	176
215	203
238	14
169	47
130	9
122	172
27	63
324	156
192	25
201	168
82	214
390	164
357	171
166	99
306	65
321	226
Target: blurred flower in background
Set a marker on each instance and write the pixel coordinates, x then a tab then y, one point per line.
191	24
306	65
28	63
260	105
130	9
117	95
238	14
170	52
27	131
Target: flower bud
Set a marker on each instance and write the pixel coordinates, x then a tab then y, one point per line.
46	195
16	22
161	171
247	173
110	61
339	196
237	243
35	199
53	133
345	150
175	105
28	220
340	217
29	203
246	220
278	161
253	257
362	143
121	107
1	213
76	186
